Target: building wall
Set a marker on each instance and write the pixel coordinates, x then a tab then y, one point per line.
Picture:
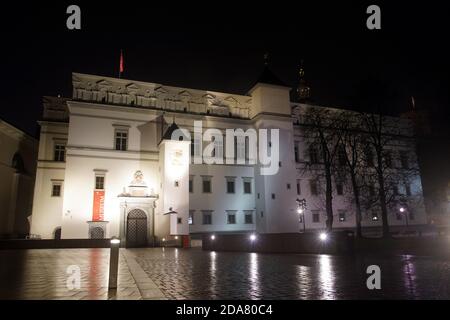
47	209
219	201
17	185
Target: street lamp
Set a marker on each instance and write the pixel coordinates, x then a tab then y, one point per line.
323	236
252	237
301	208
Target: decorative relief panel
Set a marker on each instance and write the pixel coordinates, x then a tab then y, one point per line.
124	92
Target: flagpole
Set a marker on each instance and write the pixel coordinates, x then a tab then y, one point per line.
121	64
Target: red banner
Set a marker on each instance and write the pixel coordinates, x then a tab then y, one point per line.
98	210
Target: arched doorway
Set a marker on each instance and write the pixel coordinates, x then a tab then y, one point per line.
136	228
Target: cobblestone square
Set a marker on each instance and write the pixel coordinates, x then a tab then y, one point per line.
171	273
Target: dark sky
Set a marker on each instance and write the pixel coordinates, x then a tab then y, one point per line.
220	45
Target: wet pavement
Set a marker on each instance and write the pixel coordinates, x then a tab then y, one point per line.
168	273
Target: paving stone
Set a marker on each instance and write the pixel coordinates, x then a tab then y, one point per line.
154	273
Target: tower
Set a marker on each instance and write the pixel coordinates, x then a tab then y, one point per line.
174	176
275	197
303	90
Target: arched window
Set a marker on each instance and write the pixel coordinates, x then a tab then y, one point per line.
17	163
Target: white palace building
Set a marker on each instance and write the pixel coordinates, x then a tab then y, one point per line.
107	166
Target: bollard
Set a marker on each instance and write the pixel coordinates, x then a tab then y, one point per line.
113	263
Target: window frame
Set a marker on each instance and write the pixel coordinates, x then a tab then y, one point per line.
299	187
57	152
206	213
247	182
97	176
121	131
248	213
314	214
231	213
230	181
56	184
314	185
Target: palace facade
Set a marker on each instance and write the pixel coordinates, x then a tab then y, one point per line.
107	165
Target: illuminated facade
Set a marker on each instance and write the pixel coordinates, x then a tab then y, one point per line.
107	166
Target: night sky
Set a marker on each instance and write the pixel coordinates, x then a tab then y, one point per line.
220	46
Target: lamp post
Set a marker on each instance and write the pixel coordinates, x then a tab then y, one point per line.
113	263
301	208
404	211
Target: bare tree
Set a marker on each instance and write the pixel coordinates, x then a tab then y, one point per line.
319	127
350	159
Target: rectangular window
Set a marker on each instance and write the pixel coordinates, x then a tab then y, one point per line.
342	215
206	184
313	155
121	140
231	217
339	188
404	159
315	216
191	185
56	189
299	189
191	216
248	217
207	217
314	187
179	220
99	182
297	158
273	195
60	153
247	187
288	186
407	189
230	186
